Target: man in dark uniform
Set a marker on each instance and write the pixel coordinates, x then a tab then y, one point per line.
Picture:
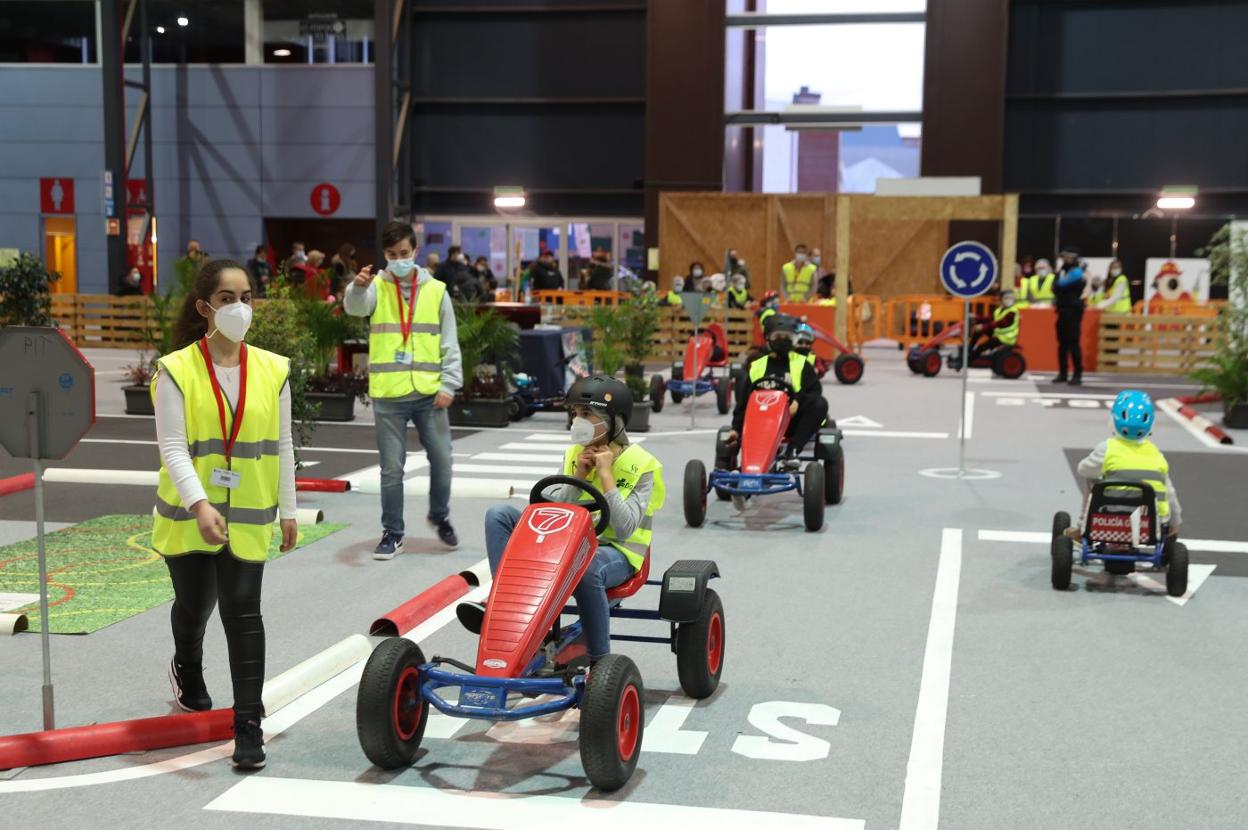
1068	299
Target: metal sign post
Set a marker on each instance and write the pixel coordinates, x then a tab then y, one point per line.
696	306
47	403
967	270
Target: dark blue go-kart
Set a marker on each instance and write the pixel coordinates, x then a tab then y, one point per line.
526	652
1120	530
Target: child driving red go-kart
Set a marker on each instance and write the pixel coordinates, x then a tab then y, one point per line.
628	476
806	402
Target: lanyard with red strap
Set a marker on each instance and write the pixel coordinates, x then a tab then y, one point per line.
406	325
232	435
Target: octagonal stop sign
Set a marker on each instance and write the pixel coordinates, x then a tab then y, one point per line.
42	372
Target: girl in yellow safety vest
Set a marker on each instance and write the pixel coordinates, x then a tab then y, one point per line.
227	473
628	476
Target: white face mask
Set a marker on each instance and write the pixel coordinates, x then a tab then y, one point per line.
799	258
233	320
696	272
583	431
401	267
1115	271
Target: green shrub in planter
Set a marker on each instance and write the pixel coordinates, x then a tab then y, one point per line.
1227	371
25	292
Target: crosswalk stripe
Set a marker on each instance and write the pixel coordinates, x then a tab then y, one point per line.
500	468
549	458
552	437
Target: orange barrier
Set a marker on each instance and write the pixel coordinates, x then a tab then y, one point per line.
580	297
917	318
1037	337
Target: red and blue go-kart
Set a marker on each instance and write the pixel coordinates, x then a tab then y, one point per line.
1004	361
704	370
761	472
1120	529
525	650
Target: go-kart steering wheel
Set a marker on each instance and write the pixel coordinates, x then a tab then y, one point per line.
776	382
600	503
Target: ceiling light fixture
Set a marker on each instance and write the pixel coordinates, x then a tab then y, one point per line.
160	30
509	197
281	53
183	21
1177	197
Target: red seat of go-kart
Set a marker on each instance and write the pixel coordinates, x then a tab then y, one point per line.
719	340
633	584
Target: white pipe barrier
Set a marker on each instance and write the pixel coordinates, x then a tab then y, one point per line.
303	678
478	574
76	475
13	623
471	488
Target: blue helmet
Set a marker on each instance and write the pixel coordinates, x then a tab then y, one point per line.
804	333
1133	414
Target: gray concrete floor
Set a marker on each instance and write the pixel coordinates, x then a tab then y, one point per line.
1105	706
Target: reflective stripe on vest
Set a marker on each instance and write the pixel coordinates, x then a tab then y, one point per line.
1139	461
1042	291
1123	304
250	508
1008	334
797	282
740	297
627	470
797	362
387	377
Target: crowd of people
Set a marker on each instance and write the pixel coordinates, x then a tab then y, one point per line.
803	279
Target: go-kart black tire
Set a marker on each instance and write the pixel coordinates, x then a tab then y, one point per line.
833	460
722	494
723	395
613	721
1176	571
1119	567
1062	552
1009	364
390	714
658	391
929	363
812	496
700	649
516	408
912	359
848	368
695	493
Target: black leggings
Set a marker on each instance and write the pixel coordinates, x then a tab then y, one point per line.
201	581
1069	332
810	416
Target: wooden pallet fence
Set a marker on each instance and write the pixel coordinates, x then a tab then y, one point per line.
1169	344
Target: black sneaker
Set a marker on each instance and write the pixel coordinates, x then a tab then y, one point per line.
189	691
390	544
1077	380
1060	379
248	744
471	615
446	533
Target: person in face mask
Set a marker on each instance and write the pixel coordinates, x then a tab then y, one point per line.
1039	286
739	293
631	478
1001	330
1118	300
672	297
798	276
227	471
694	281
806	402
414	370
131	284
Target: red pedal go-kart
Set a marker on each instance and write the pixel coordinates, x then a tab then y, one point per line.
925	359
762	445
521	636
697	374
848	366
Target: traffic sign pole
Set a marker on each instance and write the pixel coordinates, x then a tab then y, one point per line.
966	359
35	429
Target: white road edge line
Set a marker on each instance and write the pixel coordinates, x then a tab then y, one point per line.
1171	407
920	801
1043	537
430	806
280	721
1047	395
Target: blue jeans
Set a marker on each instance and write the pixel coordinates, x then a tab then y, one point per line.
434	428
607	569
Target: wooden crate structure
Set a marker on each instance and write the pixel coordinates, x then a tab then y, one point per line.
102	321
1156	344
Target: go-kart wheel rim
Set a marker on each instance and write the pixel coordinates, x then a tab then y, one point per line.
408	704
628	722
933	362
714	644
1011	365
852	370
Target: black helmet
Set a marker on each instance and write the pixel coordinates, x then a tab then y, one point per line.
606	396
781	322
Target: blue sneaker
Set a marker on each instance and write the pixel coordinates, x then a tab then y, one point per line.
390	544
446	533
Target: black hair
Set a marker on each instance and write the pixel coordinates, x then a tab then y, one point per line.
395	232
192	325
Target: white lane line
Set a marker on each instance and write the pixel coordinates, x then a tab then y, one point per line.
1041	537
1047	395
549	458
884	433
920	801
427	806
282	720
1196	576
547	436
500	468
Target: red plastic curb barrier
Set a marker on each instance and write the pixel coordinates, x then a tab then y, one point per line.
1210	397
97	740
323	485
421	607
17	484
1201	421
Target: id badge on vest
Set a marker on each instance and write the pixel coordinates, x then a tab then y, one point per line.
403	358
226	478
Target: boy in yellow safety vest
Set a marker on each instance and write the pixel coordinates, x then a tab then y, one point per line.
414	370
1128	454
628	476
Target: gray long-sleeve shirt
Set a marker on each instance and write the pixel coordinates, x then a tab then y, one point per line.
362	302
1090	468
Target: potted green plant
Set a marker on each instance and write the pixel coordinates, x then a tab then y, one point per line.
278	326
488	344
639	323
328	327
1227	371
162	311
26	292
